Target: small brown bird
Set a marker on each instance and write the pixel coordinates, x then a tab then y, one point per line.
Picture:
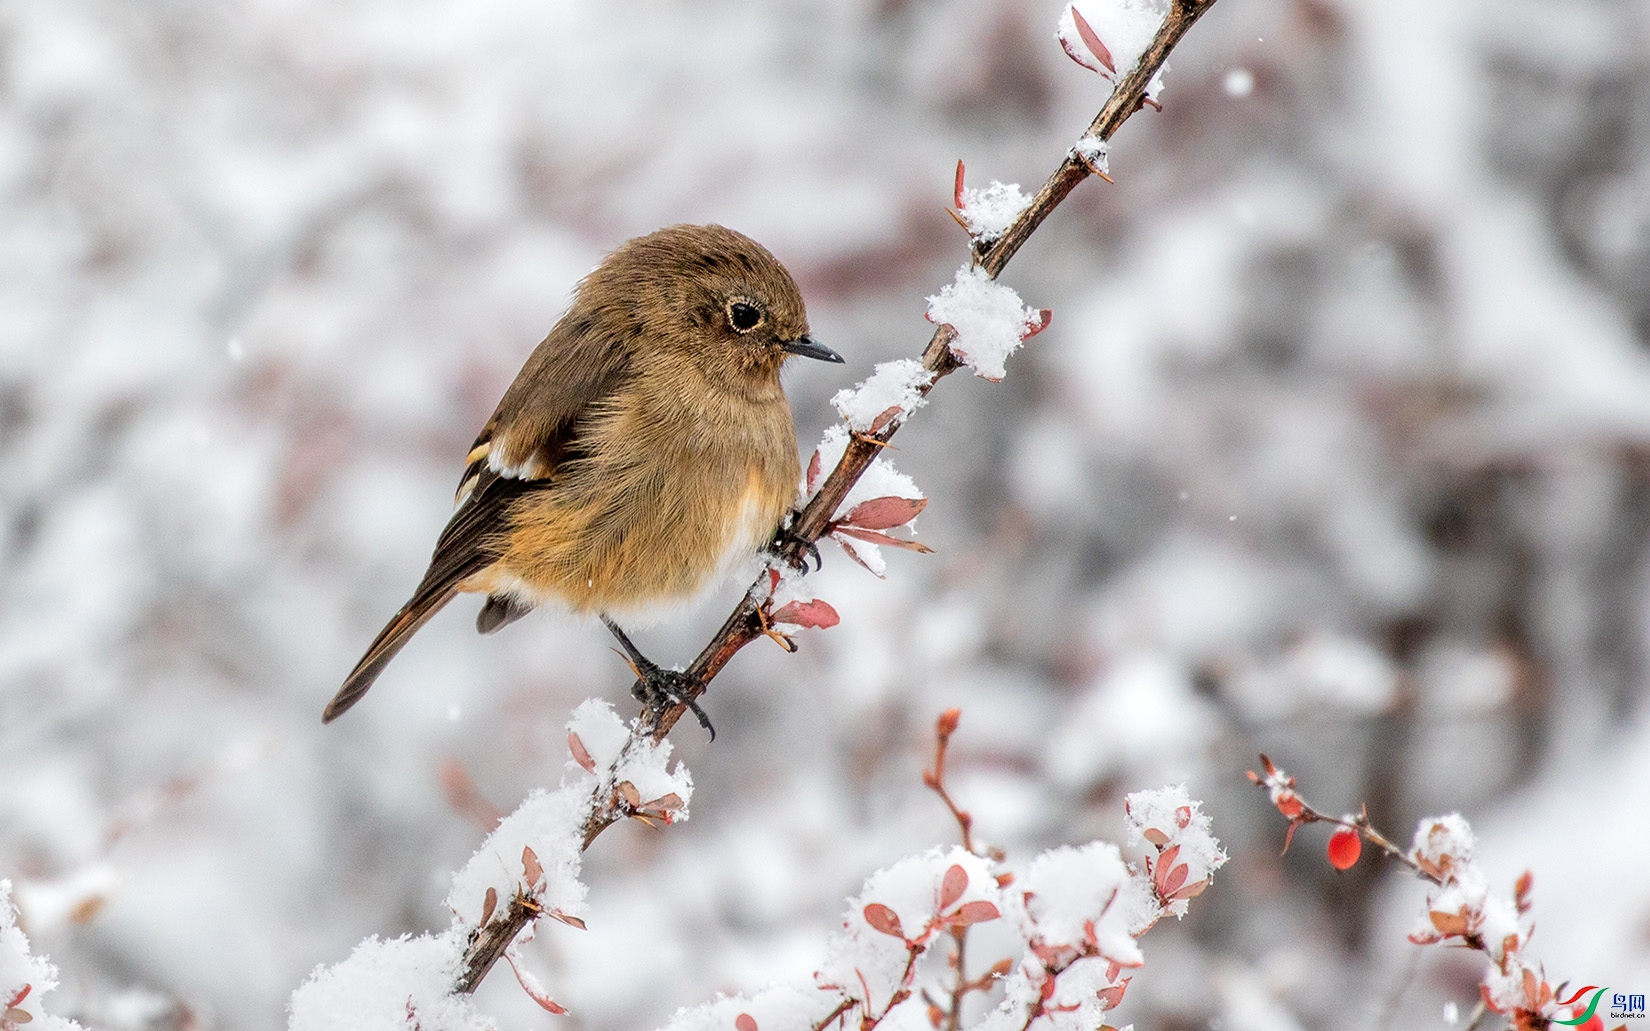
642	453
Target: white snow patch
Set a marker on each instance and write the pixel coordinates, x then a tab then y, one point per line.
1094	150
1171	812
777	1008
19	968
1070	887
990	211
389	986
896	384
990	320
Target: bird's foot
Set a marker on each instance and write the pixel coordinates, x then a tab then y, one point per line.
785	539
660	689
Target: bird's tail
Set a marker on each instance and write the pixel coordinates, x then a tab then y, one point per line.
389	641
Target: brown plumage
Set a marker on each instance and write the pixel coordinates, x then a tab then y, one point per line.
643	450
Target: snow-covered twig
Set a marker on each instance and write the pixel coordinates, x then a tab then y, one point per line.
1074	914
527	868
1460	907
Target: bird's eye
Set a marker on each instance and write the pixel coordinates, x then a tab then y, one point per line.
744	316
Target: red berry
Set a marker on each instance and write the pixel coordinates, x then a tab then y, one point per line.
1344	848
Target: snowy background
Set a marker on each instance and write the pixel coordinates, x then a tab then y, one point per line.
1338	447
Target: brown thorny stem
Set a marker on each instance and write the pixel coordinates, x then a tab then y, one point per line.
489	941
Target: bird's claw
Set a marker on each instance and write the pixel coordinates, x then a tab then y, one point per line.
806	549
661	690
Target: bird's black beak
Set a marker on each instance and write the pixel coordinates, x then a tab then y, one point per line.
807	348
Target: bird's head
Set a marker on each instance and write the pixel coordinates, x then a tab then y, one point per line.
717	298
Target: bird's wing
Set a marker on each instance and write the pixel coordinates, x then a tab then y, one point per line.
536	422
535	427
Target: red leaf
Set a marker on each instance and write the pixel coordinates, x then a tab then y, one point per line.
953	885
884	513
1190	891
854	554
1177	876
581	754
1092	40
1155	836
886	416
530	866
667	803
1521	891
1045	316
1183	817
488	904
1290	805
883	919
975	913
628	792
1448	924
531	986
1112	997
813	472
570	921
878	537
745	1022
957	190
1484	992
812	613
1071	52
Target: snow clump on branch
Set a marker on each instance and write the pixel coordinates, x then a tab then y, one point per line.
893	391
989	318
389	985
1109	36
989	212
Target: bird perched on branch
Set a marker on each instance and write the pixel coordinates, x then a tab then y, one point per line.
643	452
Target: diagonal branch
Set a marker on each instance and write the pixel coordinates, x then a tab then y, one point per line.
743	626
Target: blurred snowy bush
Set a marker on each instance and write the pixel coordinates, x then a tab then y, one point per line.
1338	446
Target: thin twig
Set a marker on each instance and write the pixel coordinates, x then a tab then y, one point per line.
842	1008
934	779
743	625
